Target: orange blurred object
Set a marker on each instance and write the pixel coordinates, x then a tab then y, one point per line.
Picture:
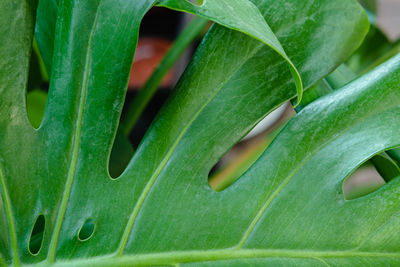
149	53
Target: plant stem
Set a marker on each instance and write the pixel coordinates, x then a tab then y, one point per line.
145	94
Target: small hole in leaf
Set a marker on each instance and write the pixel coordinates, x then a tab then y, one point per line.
196	2
36	239
86	230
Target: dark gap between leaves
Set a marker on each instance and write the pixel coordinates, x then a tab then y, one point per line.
158	29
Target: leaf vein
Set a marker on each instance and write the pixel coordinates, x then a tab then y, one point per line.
76	145
10	217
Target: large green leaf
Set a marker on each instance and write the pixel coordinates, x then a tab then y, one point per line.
161	210
297	214
90	37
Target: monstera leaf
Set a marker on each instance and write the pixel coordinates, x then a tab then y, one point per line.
59	205
242	16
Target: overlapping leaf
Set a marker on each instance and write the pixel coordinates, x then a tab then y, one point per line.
161	210
242	16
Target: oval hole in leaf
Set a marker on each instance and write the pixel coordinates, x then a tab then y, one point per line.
36	97
86	230
36	238
196	2
363	181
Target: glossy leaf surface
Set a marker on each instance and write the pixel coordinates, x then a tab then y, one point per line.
243	16
45	29
161	210
347	233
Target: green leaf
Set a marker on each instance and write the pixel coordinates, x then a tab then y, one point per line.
386	166
45	29
242	16
47	10
371	5
394	154
161	210
318	90
297	214
375	45
79	89
337	79
121	152
16	30
340	77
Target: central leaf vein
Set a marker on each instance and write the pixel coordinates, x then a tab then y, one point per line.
76	145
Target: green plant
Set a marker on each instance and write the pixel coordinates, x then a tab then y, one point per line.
59	206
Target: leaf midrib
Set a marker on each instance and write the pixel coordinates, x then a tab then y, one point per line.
76	146
171	258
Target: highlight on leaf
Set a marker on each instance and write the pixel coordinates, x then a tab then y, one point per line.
197	2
